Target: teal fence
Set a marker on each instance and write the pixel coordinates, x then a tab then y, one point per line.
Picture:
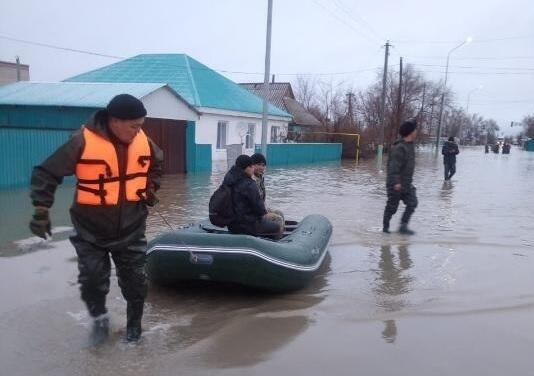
21	149
289	154
44	116
529	145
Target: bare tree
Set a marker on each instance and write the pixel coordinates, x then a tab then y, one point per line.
306	87
528	125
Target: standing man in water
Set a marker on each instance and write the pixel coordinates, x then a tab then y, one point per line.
449	151
118	170
401	166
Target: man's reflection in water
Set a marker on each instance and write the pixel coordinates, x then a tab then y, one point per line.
392	284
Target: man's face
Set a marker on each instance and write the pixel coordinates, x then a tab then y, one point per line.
259	169
249	171
125	130
412	136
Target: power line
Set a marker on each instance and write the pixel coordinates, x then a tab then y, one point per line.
344	22
480	73
357	19
87	52
489	40
474	58
474	67
60	48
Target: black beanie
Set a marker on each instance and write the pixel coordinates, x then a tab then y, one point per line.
126	107
243	161
407	127
451	139
258	158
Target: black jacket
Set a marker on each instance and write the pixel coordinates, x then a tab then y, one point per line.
449	151
100	225
260	183
248	206
401	164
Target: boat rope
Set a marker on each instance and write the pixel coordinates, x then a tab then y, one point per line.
194	258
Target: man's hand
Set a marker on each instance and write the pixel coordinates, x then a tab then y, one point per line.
397	187
40	224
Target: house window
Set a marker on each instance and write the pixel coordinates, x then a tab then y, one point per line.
249	143
275	134
222	127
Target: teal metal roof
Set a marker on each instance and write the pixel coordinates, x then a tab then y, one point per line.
199	85
71	94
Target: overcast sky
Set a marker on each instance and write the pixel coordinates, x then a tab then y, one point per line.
309	36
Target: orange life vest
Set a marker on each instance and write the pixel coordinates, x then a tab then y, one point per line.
98	174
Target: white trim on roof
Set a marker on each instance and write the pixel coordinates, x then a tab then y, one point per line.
163	104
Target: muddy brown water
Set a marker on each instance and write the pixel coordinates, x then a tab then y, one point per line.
456	298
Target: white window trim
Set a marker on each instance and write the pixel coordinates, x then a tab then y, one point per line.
219	123
249	136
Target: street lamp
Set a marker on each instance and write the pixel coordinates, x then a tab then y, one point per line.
467	109
438	135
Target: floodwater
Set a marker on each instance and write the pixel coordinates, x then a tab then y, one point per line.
456	298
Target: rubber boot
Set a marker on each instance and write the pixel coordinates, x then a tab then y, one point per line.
385	225
134	314
405	230
100	330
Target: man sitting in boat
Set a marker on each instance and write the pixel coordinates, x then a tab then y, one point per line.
260	164
249	209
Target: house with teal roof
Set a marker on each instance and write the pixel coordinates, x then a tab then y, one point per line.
228	113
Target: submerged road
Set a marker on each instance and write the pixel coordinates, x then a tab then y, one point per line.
456	298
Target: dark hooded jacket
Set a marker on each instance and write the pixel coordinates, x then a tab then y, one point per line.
401	164
248	206
100	225
449	151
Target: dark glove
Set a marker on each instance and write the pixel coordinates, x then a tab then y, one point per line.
40	224
151	199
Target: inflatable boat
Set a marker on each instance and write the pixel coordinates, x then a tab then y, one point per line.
205	252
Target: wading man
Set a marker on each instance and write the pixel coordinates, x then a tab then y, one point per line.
118	169
449	151
401	166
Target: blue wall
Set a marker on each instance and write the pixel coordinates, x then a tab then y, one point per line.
198	156
29	134
44	117
529	145
21	149
288	154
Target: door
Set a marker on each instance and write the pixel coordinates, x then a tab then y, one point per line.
169	135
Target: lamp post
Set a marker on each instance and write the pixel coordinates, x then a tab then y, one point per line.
467	109
438	133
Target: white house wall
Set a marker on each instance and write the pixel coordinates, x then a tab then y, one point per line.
206	131
164	104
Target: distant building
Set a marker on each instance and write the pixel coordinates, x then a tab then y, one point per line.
8	72
281	95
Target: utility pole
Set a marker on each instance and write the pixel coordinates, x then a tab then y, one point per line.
17	59
266	78
399	104
421	115
350	110
383	107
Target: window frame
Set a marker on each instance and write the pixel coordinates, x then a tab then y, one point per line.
222	130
